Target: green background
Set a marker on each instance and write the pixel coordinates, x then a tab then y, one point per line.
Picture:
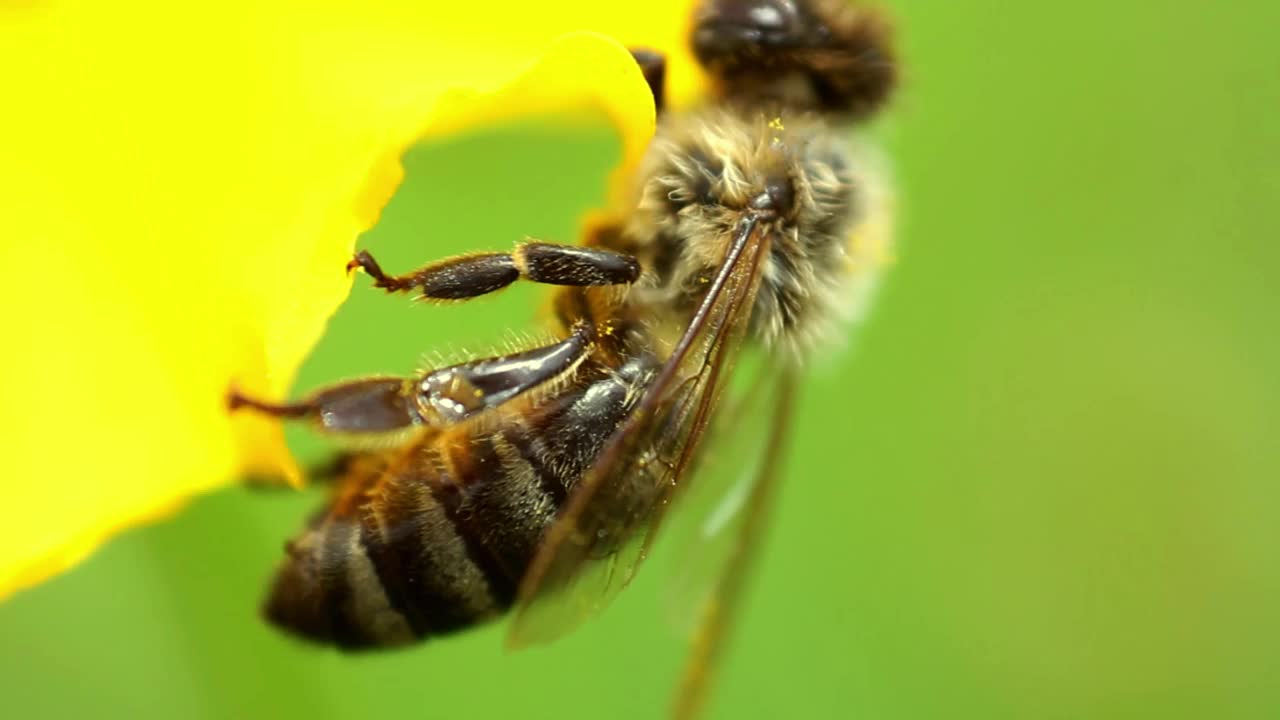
1043	485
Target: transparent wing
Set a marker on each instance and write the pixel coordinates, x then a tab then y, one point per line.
594	547
723	544
703	535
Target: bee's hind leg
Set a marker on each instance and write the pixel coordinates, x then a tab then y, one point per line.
368	406
438	397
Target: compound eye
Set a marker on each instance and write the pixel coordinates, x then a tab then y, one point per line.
725	26
766	15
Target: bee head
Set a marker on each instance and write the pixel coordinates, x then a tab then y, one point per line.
823	53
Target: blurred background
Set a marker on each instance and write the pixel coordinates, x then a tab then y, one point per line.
1041	485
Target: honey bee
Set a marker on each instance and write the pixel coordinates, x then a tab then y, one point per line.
537	480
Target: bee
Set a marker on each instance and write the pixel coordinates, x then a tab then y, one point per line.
537	480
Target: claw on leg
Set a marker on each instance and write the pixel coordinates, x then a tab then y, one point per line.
364	261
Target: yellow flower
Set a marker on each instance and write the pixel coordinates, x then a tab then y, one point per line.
179	191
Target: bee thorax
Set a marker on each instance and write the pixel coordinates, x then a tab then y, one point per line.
706	172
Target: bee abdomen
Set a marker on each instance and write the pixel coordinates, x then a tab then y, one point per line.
383	573
441	539
327	590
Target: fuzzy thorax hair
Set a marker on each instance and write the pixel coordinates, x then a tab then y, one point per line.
702	172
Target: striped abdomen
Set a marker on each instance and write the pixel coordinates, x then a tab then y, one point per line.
438	538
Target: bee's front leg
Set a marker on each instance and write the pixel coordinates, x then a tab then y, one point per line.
467	276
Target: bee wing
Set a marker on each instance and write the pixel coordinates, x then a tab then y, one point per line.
592	550
703	535
721	538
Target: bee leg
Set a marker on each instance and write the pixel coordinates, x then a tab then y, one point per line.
461	391
468	276
325	472
654	66
336	467
371	405
438	397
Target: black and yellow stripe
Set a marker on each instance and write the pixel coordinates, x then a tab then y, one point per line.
439	539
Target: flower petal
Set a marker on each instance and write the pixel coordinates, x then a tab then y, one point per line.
177	202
